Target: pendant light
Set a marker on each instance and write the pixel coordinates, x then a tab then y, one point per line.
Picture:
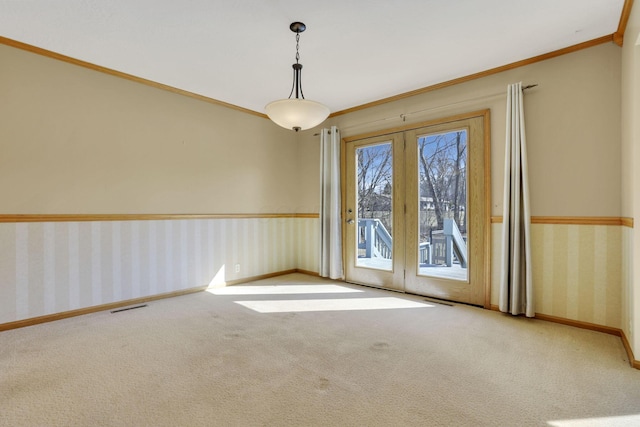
297	113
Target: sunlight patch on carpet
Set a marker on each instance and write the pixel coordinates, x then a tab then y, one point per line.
619	421
282	290
342	304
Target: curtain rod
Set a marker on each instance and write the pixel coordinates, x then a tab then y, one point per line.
403	116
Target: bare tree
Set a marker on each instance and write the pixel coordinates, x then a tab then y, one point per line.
375	182
459	196
443	165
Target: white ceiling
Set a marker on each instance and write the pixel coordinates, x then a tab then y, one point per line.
354	52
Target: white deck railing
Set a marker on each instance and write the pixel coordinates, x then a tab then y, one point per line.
374	241
374	238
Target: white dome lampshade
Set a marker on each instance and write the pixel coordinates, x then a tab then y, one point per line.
297	114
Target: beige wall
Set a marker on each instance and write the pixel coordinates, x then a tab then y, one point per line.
631	176
78	141
573	129
573	137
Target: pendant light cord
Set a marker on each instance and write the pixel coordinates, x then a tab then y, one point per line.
297	72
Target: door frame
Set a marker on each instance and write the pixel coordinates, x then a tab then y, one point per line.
486	116
393	279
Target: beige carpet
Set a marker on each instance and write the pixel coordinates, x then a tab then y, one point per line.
298	350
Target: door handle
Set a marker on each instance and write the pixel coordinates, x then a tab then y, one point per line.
350	221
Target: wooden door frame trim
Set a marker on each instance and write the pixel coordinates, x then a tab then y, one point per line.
443	120
485	114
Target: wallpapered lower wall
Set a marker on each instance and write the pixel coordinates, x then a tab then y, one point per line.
577	271
52	267
628	316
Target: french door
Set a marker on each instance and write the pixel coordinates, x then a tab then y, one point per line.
416	206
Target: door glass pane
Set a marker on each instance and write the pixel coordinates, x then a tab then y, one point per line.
442	205
375	208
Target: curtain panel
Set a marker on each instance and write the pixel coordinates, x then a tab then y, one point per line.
330	205
516	281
